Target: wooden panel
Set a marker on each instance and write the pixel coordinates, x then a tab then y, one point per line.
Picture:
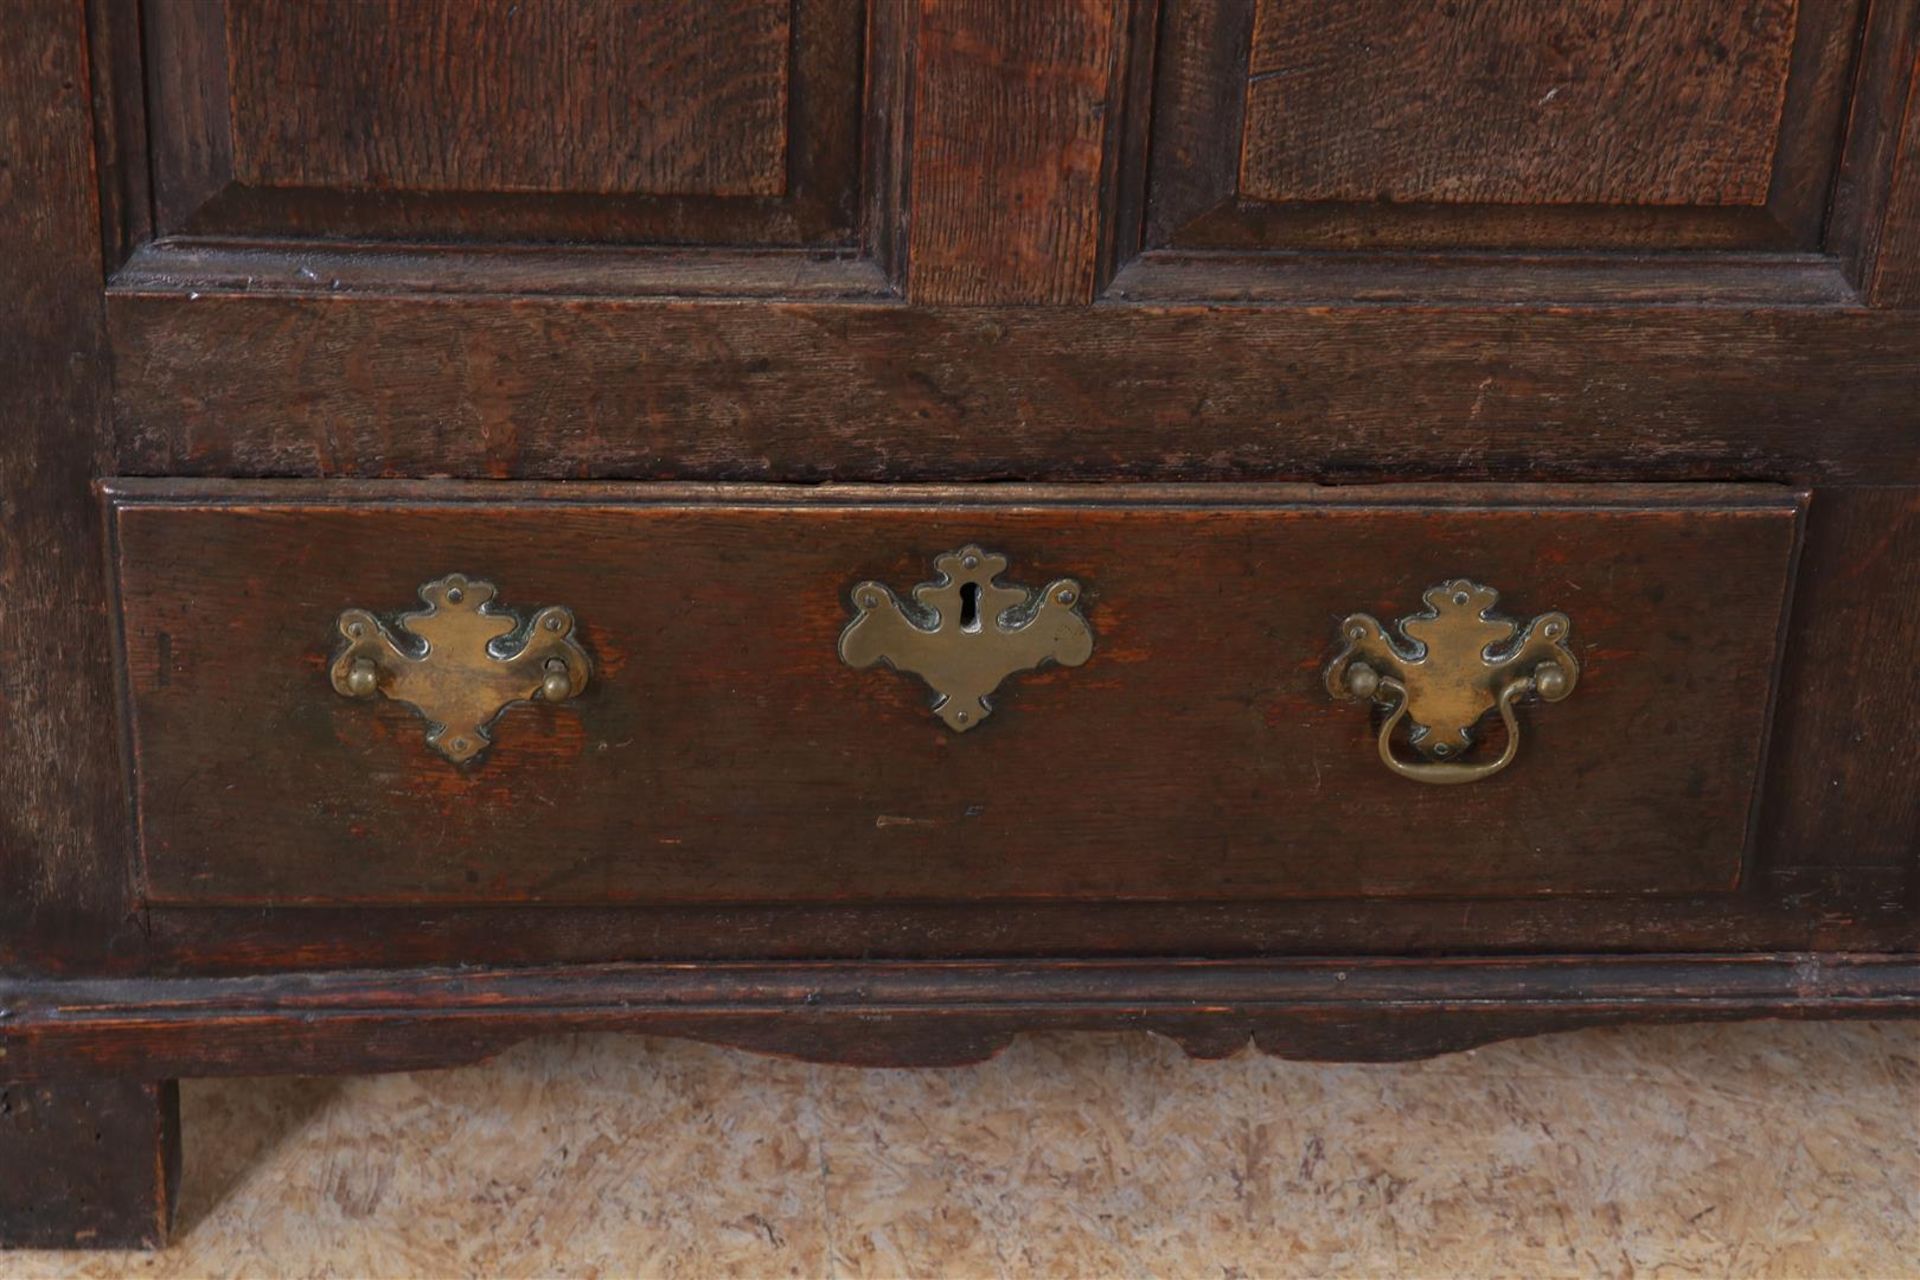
1011	117
1491	124
1828	910
1876	202
88	1164
501	95
636	121
64	857
722	711
1514	101
1851	694
297	386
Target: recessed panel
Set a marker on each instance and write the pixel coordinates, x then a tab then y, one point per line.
1516	102
725	123
1619	125
659	98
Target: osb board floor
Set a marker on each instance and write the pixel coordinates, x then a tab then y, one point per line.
1763	1149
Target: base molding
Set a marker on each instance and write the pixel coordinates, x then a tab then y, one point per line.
918	1013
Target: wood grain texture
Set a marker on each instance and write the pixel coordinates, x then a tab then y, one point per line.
1835	908
877	1014
654	97
727	713
1895	278
1496	125
1012	113
64	860
1511	101
1851	704
88	1164
289	386
1872	218
638	121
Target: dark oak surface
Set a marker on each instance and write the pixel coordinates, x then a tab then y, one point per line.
550	389
725	123
492	95
65	878
1492	125
900	241
937	1014
1197	754
88	1164
1605	102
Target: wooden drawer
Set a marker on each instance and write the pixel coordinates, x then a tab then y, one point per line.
722	750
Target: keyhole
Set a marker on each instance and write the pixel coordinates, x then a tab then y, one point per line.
970	607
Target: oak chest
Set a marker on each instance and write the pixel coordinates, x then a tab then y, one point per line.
856	528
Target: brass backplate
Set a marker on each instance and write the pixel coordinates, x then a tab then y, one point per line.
1455	662
966	632
460	664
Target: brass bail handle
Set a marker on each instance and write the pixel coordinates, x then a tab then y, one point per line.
1452	663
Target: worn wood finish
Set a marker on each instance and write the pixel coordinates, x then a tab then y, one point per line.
87	1164
848	240
877	1014
720	709
724	123
1874	223
1851	704
1605	102
296	386
64	866
1495	125
1007	201
1832	908
657	98
1895	257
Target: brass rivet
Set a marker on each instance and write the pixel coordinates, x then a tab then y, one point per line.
1550	680
356	630
455	595
1066	597
1363	680
362	678
553	624
971	562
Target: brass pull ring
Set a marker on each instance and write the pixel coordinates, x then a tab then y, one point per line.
1448	668
1449	774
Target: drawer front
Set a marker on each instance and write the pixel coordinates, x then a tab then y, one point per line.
722	749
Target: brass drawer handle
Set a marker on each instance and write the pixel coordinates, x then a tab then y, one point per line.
460	666
1458	659
966	632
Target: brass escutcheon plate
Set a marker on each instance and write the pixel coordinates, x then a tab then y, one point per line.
460	665
1455	662
966	632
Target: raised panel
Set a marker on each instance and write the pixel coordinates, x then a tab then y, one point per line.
492	95
1515	101
732	123
1487	125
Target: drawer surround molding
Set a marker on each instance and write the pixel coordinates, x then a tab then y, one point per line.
1265	788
